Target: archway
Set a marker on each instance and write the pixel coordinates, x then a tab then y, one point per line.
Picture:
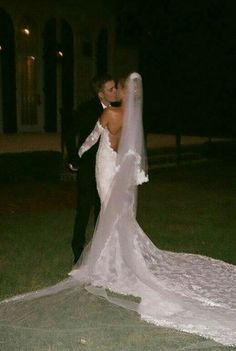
27	77
58	74
7	74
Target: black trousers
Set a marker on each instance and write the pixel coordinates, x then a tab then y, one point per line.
87	199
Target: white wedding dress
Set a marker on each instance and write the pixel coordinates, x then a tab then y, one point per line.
187	292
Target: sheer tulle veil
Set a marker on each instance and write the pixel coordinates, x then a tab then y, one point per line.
132	138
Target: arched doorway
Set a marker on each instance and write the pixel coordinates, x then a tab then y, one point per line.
58	74
27	77
50	87
8	122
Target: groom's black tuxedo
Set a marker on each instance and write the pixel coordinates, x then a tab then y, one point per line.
85	118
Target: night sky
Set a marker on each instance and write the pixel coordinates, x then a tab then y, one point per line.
187	53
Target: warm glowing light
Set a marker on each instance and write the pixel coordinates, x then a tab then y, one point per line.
60	53
32	58
26	31
0	47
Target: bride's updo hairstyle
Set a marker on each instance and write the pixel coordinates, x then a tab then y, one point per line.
122	80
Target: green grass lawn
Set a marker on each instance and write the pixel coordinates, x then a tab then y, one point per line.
187	209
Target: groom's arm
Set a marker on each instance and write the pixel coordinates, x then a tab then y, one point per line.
72	139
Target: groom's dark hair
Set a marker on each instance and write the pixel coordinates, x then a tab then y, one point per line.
98	82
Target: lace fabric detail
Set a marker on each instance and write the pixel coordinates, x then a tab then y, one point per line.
188	292
105	155
191	293
140	176
91	139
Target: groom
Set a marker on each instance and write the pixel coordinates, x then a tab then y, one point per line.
86	117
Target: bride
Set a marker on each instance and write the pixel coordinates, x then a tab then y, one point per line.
187	292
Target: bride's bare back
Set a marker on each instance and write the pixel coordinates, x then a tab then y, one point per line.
112	119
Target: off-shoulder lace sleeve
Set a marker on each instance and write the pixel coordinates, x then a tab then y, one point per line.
91	139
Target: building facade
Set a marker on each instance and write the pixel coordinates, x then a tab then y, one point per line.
49	51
